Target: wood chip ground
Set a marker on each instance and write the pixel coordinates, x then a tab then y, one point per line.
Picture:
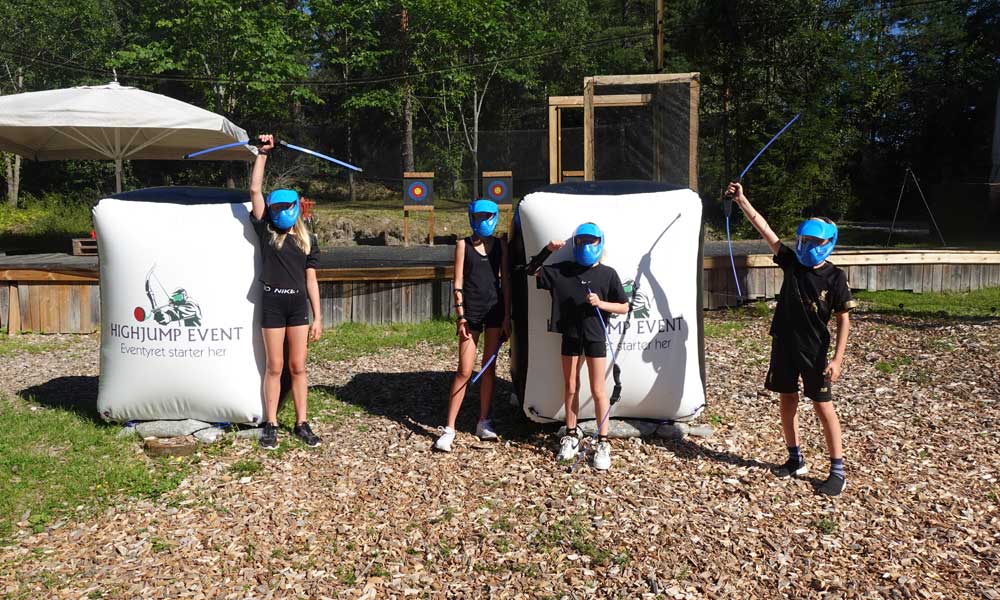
375	513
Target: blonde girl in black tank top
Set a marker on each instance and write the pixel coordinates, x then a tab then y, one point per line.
482	303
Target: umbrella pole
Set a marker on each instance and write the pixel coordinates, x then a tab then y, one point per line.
118	175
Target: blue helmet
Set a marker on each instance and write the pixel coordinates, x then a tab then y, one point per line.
283	206
816	240
483	226
588	244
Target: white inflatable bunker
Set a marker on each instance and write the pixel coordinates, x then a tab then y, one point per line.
653	239
179	334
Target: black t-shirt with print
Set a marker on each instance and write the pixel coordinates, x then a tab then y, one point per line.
808	297
284	268
571	314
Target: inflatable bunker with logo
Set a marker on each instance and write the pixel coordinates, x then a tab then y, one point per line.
653	239
179	335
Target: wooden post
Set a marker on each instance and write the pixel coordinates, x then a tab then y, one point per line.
430	231
13	310
406	227
588	129
695	89
659	35
554	146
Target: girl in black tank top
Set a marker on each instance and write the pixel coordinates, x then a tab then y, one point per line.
482	303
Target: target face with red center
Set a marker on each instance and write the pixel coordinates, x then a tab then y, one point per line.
417	191
497	190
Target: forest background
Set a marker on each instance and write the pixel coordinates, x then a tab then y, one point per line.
460	86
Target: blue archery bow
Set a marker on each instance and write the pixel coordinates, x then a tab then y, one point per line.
278	143
728	203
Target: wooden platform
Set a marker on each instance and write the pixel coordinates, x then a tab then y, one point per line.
59	293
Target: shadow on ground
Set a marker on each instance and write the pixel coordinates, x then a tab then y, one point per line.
76	394
419	401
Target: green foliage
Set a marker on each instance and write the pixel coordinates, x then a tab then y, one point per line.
879	85
982	303
58	464
51	214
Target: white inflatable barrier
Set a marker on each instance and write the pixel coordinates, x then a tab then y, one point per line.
653	235
179	333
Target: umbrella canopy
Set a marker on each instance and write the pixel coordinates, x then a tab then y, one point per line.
112	122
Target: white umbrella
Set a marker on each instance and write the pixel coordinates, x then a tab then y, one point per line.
112	122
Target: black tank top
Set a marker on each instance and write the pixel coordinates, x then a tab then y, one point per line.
480	279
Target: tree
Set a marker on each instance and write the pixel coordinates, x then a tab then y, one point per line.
38	35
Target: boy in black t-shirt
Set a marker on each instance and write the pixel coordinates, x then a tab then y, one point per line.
579	289
812	290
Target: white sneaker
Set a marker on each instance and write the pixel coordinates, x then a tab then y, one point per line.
443	443
569	447
484	430
602	456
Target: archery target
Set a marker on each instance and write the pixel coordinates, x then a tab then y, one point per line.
418	191
498	189
180	337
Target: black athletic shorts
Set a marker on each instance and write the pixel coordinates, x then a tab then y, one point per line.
493	319
574	346
283	308
788	364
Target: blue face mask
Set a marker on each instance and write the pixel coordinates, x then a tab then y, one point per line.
816	241
588	244
283	207
483	217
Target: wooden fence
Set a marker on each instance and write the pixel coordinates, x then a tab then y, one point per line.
67	300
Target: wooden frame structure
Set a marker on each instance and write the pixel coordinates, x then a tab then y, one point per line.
590	100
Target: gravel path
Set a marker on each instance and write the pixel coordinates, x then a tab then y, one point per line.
376	514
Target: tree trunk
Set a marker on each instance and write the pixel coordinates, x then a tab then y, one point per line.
475	143
12	162
12	173
408	162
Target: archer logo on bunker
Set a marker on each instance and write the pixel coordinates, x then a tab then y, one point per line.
639	303
168	308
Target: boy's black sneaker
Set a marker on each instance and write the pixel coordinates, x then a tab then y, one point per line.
305	433
833	486
269	436
791	468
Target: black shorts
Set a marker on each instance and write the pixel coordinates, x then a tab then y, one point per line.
493	319
788	364
574	346
281	308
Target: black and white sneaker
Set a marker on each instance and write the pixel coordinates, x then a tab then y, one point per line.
833	486
305	433
269	436
791	468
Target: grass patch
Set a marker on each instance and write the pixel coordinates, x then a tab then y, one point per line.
324	406
246	467
980	303
30	344
890	366
721	329
826	526
52	461
351	340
